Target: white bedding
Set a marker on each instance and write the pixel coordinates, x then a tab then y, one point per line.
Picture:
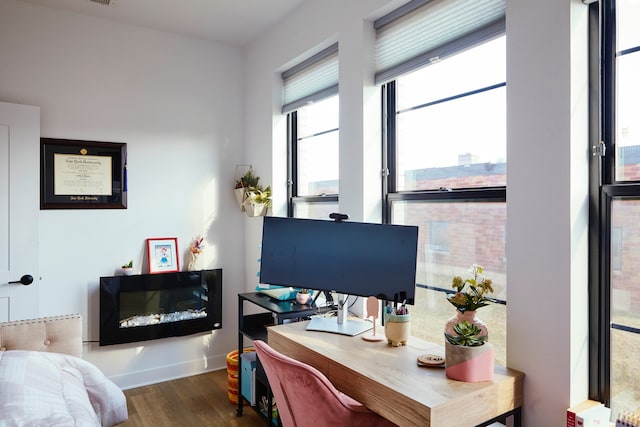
53	389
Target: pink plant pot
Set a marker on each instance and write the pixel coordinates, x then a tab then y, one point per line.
302	298
469	364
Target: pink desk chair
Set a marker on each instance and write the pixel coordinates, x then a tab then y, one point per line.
305	397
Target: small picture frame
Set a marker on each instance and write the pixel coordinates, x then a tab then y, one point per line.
163	255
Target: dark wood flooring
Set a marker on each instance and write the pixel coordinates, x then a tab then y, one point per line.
197	401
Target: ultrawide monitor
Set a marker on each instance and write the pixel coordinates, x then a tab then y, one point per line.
353	258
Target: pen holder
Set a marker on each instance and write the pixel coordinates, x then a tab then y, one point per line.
397	328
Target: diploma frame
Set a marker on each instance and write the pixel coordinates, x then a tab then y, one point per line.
76	174
163	255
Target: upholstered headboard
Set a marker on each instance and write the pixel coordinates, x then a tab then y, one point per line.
59	334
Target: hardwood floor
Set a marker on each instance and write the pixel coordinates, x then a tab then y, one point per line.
197	401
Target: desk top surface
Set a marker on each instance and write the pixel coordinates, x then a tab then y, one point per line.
389	381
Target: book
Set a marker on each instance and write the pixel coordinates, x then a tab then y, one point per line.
578	409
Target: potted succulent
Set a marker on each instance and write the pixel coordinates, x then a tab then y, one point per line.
127	268
469	356
303	296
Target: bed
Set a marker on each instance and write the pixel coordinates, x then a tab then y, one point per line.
45	381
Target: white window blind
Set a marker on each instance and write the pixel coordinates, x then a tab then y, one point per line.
311	80
424	31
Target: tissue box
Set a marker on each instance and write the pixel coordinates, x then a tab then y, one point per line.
598	416
575	414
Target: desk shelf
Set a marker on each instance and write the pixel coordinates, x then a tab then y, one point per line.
254	327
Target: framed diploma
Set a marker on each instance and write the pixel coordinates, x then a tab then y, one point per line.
163	255
77	174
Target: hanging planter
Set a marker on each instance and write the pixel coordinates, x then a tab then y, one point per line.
252	198
258	201
244	180
241	196
256	209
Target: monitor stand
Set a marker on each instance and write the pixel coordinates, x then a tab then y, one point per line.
339	324
349	327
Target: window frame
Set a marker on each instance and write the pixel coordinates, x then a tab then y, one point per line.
604	189
292	170
391	194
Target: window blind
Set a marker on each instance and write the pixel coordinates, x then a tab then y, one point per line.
424	31
311	80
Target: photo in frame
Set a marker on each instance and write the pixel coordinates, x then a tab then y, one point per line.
77	174
163	255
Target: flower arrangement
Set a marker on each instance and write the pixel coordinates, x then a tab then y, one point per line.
197	245
196	248
468	353
472	292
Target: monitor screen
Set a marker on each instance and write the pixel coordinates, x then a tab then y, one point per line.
353	258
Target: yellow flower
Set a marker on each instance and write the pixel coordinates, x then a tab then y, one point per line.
458	299
471	292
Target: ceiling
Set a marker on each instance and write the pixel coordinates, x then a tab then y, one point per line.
234	22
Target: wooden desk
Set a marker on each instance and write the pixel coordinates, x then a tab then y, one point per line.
388	380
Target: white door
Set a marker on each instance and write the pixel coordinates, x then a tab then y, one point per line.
19	206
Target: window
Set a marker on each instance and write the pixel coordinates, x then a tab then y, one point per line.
311	105
438	236
451	122
314	155
445	146
615	190
627	96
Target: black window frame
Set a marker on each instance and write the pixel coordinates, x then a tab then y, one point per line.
497	194
292	170
603	190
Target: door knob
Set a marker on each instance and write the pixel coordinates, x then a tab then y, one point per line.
27	279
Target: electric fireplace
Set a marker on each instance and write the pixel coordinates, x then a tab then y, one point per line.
152	306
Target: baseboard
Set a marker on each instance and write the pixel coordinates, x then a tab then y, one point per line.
169	372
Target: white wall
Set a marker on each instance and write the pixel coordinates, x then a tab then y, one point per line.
547	178
547	204
177	103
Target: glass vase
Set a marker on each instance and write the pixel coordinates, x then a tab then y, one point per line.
194	263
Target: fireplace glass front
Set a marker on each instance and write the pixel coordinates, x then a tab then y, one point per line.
152	306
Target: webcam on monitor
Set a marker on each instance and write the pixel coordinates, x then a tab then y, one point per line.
338	217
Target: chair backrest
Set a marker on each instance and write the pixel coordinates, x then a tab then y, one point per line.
305	397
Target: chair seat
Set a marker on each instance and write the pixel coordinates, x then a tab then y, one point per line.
305	397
